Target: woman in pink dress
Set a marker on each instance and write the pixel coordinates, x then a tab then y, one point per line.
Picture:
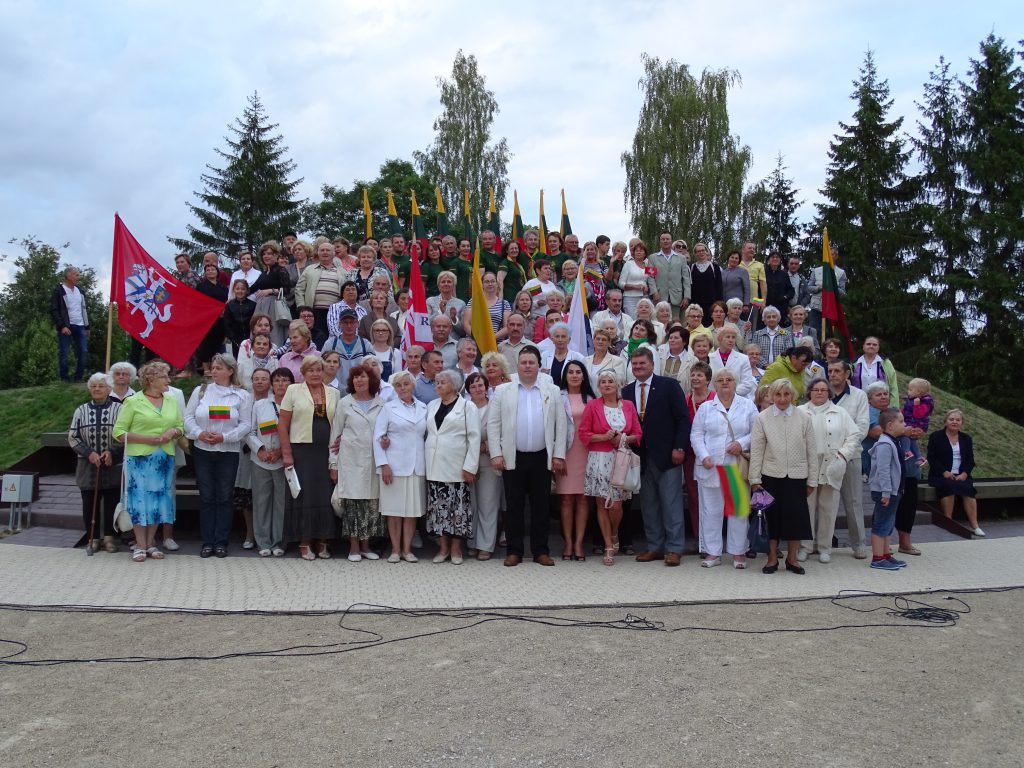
576	391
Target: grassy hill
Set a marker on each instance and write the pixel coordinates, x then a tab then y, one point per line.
25	413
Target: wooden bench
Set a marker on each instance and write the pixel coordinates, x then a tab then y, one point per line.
999	490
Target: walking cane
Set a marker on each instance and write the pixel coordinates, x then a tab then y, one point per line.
95	504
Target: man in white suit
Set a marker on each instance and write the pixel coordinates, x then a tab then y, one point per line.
526	429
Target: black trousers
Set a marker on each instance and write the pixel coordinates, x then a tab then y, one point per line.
105	506
531	479
907	510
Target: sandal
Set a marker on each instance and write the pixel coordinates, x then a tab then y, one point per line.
305	553
139	555
615	544
911	550
609	556
323	553
155	553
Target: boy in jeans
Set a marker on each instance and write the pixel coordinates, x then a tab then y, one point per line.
886	486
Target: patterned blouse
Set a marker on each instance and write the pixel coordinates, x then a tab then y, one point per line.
91	430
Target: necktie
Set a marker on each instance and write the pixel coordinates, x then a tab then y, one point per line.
643	399
672	366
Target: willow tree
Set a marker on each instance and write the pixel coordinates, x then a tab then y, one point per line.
686	171
463	155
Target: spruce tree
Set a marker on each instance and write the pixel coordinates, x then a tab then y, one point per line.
994	171
783	230
250	199
868	210
943	208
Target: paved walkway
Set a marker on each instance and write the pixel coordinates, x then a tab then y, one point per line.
59	576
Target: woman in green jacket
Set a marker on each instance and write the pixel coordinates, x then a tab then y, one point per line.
789	365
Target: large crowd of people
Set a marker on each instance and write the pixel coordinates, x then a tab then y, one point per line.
317	427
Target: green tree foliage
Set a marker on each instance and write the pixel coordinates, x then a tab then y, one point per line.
870	214
754	223
686	171
340	212
946	250
26	331
783	229
994	171
463	155
250	199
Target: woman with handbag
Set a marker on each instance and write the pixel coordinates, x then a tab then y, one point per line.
720	435
269	291
608	423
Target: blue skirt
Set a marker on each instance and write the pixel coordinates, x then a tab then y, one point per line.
150	488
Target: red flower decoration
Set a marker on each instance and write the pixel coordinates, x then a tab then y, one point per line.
652	271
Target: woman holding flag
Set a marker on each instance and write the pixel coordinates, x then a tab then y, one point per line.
720	434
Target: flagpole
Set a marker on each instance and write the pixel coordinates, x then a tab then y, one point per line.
110	332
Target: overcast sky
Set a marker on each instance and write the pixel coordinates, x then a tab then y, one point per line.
118	106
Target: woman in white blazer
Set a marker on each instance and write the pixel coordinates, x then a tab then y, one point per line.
837	441
453	457
553	360
398	453
720	432
356	499
603	359
727	356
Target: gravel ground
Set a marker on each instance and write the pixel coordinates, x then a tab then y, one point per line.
513	693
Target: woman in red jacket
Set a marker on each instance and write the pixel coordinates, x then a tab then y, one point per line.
606	420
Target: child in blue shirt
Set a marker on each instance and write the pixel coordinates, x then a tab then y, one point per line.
886	486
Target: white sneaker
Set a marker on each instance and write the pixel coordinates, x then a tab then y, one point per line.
710	562
824	557
417	540
395	558
355	557
370	555
248	544
979	533
277	552
801	555
264	553
171	545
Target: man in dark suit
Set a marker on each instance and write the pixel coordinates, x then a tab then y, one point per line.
666	424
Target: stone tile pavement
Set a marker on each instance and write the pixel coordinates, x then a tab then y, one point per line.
59	576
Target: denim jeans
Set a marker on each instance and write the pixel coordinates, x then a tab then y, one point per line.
81	343
215	476
883	519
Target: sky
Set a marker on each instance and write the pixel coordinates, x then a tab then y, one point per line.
119	106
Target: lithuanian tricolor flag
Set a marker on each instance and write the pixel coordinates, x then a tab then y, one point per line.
220	412
442	216
268	427
564	227
517	222
831	309
467	222
394	227
735	492
542	247
419	232
493	222
367	214
480	320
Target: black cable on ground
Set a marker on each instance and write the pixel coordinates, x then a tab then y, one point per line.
918	614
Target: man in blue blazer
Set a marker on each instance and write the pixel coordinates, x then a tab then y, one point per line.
666	425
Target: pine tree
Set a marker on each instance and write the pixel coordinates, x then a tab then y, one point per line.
250	200
994	171
686	171
869	213
943	208
463	155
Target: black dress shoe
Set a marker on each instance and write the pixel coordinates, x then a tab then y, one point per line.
797	569
221	552
206	551
770	568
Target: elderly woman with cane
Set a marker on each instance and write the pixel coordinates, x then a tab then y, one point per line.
98	473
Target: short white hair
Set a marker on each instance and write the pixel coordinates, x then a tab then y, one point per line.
877	386
398	376
770	310
124	366
560	326
733	303
98	377
728	327
454	378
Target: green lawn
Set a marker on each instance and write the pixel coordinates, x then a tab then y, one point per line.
26	413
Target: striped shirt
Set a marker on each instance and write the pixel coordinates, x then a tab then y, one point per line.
497	310
328	288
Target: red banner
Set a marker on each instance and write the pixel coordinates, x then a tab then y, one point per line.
417	321
164	314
